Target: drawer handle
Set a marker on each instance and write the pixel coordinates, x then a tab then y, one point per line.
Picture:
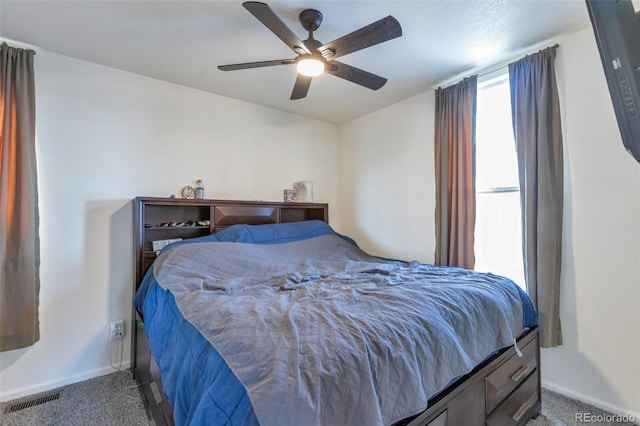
156	392
522	371
523	409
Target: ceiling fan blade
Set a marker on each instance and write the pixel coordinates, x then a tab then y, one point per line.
301	87
248	65
355	75
266	15
377	32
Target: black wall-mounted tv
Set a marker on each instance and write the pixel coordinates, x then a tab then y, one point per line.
616	25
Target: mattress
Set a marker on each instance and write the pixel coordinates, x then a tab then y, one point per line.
294	324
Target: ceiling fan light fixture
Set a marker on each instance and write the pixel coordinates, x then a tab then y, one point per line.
314	58
311	67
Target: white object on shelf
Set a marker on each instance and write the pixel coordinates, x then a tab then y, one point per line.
160	244
304	191
199	189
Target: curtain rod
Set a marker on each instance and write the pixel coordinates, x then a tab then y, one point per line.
491	71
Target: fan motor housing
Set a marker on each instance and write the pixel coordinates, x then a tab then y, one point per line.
310	19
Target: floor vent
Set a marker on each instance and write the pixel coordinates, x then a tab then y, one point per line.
31	402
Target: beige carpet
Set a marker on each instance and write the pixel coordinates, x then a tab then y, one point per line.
559	410
111	400
114	400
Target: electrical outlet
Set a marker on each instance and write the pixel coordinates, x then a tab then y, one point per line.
117	329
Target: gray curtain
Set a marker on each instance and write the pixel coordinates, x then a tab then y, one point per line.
455	167
538	135
19	239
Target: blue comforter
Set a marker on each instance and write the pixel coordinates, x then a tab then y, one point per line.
302	327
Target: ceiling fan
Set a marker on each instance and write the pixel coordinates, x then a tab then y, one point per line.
313	58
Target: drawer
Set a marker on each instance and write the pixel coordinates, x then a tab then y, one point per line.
441	420
504	379
519	406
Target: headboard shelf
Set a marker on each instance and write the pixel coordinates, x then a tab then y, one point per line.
159	219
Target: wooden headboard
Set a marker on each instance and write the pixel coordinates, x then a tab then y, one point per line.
157	219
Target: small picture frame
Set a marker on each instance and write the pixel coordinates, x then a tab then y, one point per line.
289	195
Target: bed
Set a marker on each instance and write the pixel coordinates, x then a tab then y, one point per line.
291	323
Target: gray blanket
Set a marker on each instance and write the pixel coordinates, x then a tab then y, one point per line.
320	333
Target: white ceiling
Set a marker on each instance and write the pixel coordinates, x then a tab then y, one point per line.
183	41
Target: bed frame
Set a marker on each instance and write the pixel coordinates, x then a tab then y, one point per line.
503	390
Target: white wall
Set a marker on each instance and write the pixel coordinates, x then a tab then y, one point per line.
105	136
599	361
387	191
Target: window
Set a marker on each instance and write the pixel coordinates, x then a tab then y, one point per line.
498	236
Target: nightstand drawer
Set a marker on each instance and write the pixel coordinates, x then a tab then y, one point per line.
518	408
509	375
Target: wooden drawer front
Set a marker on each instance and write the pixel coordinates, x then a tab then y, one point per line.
441	420
518	408
231	215
509	375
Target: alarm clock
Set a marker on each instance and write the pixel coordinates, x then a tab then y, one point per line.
189	192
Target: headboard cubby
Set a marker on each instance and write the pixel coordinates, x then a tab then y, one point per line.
159	219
